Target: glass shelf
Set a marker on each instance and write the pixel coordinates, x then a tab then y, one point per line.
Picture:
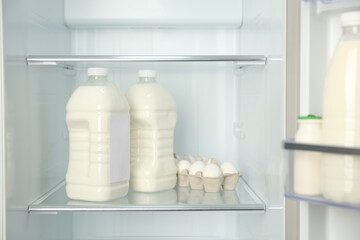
239	60
291	146
177	199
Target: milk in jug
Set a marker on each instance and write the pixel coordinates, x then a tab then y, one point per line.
341	115
98	120
307	164
153	118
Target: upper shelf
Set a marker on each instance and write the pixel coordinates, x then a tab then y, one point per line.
239	60
177	199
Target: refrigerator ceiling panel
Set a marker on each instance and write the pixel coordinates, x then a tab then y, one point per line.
153	13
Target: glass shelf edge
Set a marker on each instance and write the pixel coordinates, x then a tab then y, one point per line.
320	201
240	60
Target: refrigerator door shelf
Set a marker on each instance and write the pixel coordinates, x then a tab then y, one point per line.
329	6
177	199
338	180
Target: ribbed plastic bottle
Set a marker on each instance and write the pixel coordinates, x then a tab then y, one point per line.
98	120
341	115
153	119
307	164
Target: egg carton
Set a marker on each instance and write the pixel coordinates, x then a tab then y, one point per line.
198	182
230	181
183	178
212	184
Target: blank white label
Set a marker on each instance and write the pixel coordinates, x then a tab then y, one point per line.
119	129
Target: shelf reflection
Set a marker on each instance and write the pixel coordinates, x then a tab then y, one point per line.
163	197
178	195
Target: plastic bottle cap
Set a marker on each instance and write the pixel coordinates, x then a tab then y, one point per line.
309	117
97	71
350	19
147	73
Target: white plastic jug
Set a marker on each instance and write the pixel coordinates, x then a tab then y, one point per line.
307	164
153	119
341	115
97	116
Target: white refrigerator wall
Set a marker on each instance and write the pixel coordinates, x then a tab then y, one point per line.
261	94
34	116
233	115
2	134
320	33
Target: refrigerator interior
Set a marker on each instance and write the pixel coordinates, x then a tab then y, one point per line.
231	113
320	33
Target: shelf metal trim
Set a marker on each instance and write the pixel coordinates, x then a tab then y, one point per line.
240	60
141	208
290	144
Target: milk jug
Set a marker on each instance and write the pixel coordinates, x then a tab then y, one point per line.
98	120
307	164
153	118
341	115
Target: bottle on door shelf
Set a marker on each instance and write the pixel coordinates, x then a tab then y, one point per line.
98	120
341	115
307	165
153	119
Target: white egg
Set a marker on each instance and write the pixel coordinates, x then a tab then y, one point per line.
192	159
186	157
199	159
212	160
183	164
228	168
197	166
212	170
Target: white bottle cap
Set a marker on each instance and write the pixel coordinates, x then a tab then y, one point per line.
97	71
350	19
147	73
